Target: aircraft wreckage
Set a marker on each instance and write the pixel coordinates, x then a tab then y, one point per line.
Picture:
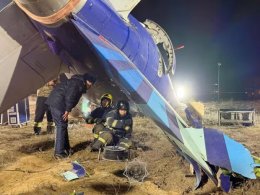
41	38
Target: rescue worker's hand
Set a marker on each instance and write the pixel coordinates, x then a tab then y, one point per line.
65	116
118	133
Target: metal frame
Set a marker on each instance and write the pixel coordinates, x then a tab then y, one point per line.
236	116
15	112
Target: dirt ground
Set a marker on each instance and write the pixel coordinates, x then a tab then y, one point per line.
27	165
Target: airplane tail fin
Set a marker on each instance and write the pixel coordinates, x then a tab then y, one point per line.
26	63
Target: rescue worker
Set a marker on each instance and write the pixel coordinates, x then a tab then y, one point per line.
194	113
62	99
118	128
97	116
42	108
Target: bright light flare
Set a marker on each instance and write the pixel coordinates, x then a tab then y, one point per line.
183	92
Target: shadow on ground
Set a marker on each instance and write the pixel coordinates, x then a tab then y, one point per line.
112	188
37	147
81	146
119	173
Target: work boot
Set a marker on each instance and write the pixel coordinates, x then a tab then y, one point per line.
61	156
37	130
50	129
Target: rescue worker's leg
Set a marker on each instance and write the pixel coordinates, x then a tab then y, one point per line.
125	143
50	124
67	142
96	130
39	114
62	145
105	138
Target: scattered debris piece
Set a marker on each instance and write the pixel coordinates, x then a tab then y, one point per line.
136	171
77	172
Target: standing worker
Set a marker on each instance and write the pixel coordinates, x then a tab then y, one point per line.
62	99
42	108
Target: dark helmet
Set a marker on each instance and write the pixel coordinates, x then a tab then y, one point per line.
122	105
107	96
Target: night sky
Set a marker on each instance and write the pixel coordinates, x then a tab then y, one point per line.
212	31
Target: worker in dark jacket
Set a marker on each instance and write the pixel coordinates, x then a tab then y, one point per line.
62	99
118	128
97	116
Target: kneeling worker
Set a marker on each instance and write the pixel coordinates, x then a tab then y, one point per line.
118	128
97	116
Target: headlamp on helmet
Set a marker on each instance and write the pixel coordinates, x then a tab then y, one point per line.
122	105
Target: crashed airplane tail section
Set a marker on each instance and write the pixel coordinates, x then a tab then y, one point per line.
204	147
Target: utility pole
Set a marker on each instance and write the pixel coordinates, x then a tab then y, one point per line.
219	64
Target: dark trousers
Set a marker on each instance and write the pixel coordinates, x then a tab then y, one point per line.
62	145
41	109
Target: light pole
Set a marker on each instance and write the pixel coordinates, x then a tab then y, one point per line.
219	64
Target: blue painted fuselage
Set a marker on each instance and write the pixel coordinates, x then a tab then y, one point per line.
129	37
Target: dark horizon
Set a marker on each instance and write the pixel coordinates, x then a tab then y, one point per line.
216	31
